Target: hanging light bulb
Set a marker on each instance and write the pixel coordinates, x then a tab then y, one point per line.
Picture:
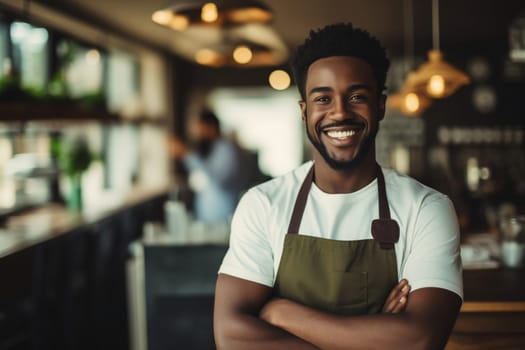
279	79
408	100
242	54
209	57
411	102
209	12
437	78
436	85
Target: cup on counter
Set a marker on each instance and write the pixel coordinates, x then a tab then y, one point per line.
151	231
512	235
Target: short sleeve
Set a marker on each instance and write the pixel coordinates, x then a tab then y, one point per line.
250	255
434	259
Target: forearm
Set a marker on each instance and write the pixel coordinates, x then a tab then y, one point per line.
236	318
247	332
327	331
426	323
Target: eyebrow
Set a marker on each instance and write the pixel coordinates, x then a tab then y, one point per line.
328	89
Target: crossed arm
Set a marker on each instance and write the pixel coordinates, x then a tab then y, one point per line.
246	317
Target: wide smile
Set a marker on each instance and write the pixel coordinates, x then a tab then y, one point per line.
342	136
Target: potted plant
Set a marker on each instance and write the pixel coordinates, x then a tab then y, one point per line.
75	158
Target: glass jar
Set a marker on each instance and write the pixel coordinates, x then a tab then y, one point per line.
512	240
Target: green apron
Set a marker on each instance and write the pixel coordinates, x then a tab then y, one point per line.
342	277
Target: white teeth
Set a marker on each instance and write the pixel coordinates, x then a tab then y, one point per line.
340	134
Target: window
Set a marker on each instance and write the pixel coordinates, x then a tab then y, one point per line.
30	46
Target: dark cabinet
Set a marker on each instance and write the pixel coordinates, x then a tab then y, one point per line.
70	292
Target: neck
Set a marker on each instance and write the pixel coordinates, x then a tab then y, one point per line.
344	181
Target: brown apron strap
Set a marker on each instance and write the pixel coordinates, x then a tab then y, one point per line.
384	230
300	203
384	211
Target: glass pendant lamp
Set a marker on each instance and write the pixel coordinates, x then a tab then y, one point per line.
408	99
436	78
180	14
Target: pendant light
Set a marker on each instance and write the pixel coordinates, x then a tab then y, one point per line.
408	99
180	14
436	78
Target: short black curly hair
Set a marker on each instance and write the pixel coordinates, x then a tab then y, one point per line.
341	39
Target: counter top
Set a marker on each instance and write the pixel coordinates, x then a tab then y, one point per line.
35	226
494	290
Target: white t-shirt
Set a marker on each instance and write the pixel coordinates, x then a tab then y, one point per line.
427	251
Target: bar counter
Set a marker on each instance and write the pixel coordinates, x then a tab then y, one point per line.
32	227
64	274
493	312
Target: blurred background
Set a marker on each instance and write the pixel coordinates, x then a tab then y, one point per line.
101	240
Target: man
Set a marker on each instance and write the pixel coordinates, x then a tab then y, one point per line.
314	254
213	168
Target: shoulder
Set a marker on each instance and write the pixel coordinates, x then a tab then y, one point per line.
404	189
282	186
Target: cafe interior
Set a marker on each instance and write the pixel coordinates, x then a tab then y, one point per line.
100	247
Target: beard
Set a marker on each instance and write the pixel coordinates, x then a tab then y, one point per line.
342	164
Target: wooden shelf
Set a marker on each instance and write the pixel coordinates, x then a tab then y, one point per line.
22	111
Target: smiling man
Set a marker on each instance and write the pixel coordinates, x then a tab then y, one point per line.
325	257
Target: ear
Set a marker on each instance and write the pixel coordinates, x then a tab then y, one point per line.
302	104
382	107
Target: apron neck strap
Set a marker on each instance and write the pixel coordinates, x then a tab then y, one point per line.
384	211
300	202
384	230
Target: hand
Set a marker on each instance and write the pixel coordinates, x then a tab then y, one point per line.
397	299
177	148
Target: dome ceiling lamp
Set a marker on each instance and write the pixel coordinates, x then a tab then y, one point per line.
436	78
408	99
235	53
180	14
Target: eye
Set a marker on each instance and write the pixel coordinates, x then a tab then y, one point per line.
358	98
322	99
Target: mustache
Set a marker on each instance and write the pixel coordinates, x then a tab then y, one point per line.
347	122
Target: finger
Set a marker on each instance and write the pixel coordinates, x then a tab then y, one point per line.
401	303
400	290
397	290
399	306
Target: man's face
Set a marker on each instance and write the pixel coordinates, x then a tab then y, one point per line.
342	109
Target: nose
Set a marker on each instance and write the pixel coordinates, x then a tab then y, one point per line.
340	109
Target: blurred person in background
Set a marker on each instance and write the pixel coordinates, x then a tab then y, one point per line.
213	167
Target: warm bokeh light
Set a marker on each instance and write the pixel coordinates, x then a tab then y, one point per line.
179	22
412	102
209	12
436	85
242	54
250	14
162	17
279	79
206	57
